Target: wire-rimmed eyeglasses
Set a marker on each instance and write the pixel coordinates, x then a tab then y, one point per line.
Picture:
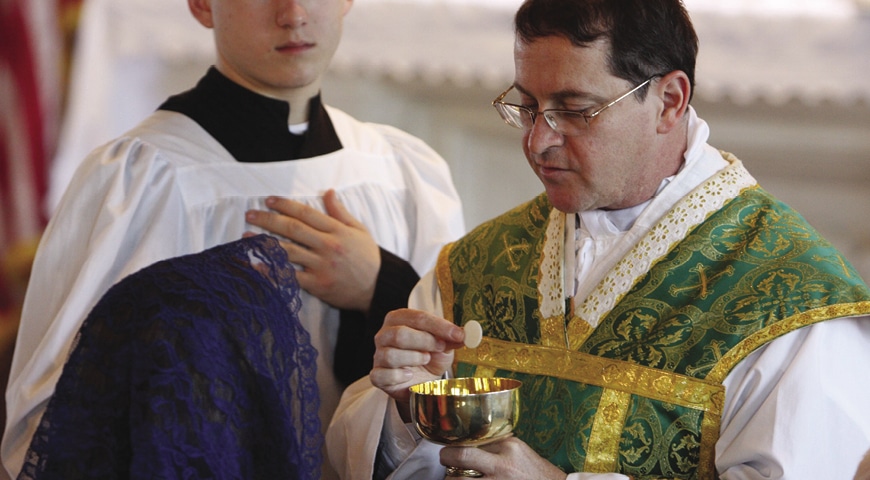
563	122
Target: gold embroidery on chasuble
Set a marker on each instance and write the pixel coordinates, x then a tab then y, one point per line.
638	390
747	275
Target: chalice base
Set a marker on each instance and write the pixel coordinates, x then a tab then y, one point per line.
456	472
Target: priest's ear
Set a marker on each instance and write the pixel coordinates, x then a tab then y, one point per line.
201	10
675	90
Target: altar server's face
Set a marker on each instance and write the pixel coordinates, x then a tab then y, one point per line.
274	47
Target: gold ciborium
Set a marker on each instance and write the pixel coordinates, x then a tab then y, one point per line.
465	411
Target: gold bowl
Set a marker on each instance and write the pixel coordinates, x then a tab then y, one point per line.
466	411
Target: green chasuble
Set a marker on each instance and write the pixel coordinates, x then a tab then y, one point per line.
629	379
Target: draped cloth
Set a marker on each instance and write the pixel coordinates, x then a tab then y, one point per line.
194	367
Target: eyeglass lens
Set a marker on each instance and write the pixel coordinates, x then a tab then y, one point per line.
564	123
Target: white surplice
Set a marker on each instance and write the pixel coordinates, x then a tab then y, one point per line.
167	188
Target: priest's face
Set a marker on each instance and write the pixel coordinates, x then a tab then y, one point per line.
607	164
279	48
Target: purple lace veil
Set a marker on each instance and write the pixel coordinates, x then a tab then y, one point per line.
194	367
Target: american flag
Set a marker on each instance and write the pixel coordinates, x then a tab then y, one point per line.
34	49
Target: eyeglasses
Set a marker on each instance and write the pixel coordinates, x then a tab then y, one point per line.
563	122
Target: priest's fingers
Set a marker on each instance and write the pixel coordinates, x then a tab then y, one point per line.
412	347
510	458
409	337
395	383
404	348
437	328
396	370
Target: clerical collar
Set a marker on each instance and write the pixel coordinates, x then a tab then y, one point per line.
603	222
253	127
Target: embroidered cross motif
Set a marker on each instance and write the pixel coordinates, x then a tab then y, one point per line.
511	252
703	282
834	260
715	348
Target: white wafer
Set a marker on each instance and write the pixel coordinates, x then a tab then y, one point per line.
473	334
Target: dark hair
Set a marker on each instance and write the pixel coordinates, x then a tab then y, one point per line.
647	37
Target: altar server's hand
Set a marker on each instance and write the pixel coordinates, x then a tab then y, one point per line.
508	459
338	257
412	347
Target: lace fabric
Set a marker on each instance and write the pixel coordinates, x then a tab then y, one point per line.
194	367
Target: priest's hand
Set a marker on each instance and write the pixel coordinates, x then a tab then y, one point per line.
508	459
412	347
338	257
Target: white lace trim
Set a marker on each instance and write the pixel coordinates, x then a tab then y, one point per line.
551	290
